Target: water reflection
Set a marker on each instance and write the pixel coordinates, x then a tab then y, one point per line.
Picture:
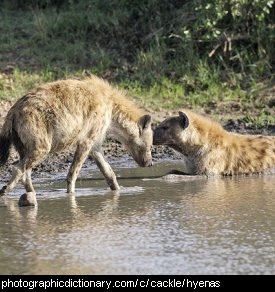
194	227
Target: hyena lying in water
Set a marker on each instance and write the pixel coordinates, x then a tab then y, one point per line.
211	150
60	114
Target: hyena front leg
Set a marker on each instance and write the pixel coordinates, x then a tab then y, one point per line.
106	169
81	153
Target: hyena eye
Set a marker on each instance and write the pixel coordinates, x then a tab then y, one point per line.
164	128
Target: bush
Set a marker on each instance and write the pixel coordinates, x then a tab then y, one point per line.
150	39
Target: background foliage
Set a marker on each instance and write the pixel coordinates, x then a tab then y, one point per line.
169	53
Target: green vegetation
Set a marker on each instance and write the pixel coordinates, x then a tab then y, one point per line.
216	54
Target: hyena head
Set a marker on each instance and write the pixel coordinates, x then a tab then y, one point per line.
140	146
169	132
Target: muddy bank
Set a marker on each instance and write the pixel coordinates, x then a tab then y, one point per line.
59	163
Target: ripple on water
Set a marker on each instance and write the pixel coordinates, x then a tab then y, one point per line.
217	226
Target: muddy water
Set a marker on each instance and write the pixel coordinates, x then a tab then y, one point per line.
155	226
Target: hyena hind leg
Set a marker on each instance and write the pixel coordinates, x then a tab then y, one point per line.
26	177
23	170
17	173
29	198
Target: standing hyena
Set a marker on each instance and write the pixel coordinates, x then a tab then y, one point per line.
57	115
211	150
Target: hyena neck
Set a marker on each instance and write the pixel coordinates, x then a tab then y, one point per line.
125	123
198	145
191	142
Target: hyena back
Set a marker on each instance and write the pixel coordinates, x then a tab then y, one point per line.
211	150
59	114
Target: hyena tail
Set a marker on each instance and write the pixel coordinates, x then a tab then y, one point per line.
5	141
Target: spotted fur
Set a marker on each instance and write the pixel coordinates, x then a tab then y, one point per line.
61	114
212	150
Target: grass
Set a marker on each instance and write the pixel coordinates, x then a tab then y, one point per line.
162	95
17	83
41	45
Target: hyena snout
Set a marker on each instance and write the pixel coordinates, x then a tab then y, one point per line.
147	158
142	157
147	162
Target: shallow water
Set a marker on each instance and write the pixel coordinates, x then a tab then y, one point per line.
215	226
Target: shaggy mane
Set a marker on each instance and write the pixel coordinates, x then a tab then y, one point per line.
122	104
204	124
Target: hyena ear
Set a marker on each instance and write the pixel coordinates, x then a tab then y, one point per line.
145	122
184	121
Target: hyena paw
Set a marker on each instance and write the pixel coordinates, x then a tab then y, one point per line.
115	187
28	199
70	190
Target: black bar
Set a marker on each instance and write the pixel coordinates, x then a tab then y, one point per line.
112	282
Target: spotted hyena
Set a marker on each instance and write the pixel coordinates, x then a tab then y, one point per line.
60	114
211	150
